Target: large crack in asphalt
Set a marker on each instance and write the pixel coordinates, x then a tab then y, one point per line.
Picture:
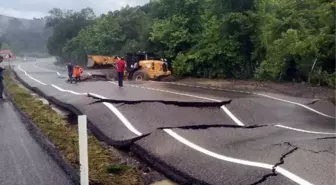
310	150
281	162
201	104
331	137
313	102
166	102
200	127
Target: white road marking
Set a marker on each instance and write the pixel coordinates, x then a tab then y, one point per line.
295	103
108	105
305	131
259	94
226	110
58	73
234	118
122	118
216	155
292	176
171	92
280	170
42	68
69	91
30	76
200	149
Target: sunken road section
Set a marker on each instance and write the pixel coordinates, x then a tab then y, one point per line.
106	127
158	140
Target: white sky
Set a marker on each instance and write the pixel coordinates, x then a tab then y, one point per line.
38	8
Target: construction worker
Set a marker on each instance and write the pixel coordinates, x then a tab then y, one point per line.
2	68
70	71
121	65
77	72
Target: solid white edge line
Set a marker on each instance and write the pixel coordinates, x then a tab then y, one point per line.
196	147
295	103
19	66
119	115
305	131
264	95
292	176
280	170
216	155
260	94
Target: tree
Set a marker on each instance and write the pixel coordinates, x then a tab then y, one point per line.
66	25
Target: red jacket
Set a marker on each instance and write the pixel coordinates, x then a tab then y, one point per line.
121	65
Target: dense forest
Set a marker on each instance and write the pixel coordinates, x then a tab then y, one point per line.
23	36
282	40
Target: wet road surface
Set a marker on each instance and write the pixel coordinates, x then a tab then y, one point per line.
22	160
281	140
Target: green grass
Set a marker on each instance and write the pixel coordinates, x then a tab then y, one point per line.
104	168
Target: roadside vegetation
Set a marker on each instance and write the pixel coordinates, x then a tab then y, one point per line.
104	168
278	40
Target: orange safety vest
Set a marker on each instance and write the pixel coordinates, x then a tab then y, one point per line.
76	71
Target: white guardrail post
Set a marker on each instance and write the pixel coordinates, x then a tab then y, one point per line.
83	150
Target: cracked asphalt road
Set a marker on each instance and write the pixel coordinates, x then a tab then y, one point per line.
288	143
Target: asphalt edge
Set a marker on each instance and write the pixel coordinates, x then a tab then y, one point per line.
91	127
45	143
169	171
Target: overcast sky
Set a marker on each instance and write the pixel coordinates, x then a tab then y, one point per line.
38	8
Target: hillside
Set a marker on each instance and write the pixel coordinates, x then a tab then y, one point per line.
24	36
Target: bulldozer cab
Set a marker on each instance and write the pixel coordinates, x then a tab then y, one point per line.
147	65
136	60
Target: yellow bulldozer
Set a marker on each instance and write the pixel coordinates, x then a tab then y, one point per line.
140	66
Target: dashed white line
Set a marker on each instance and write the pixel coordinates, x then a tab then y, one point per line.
305	131
172	92
108	105
226	110
69	91
42	68
259	94
122	118
234	118
280	170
